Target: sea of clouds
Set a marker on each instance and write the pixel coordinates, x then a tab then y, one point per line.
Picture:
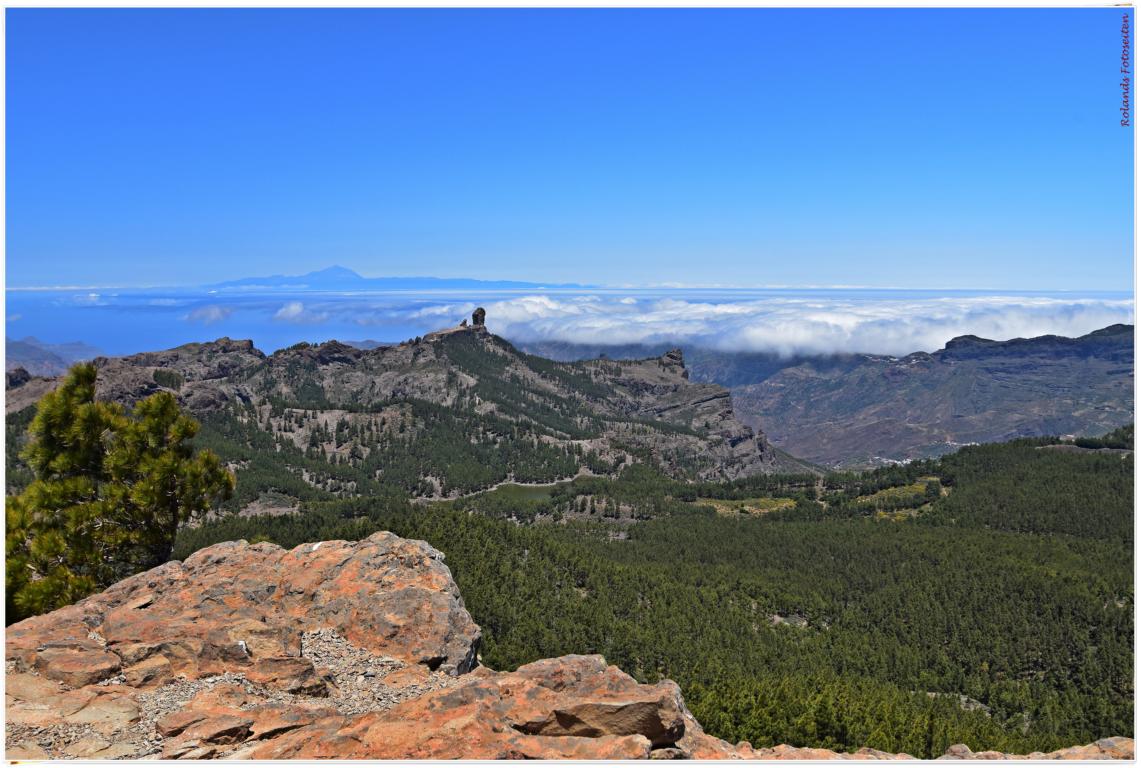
793	321
784	324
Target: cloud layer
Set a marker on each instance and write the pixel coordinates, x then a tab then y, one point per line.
789	325
786	321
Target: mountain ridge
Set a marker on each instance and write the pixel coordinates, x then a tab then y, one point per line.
392	414
857	410
867	410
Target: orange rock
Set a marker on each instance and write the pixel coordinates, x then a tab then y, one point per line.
107	712
177	722
292	675
76	667
275	720
30	687
220	729
26	750
406	677
572	707
149	673
1113	748
236	607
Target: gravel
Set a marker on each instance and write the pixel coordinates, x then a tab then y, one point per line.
355	678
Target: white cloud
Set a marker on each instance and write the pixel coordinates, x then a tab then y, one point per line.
793	325
91	299
209	315
295	312
785	322
291	311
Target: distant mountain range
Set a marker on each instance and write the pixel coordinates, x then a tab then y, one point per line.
868	409
41	359
343	279
857	410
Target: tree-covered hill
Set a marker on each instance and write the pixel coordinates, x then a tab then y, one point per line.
871	612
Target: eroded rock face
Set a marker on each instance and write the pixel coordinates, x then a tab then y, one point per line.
338	650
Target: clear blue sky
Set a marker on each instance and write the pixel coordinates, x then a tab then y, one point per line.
919	148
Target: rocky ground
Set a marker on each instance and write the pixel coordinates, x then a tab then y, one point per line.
207	717
339	650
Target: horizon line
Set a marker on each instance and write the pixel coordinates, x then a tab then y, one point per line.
209	289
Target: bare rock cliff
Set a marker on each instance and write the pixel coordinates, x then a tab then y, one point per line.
349	650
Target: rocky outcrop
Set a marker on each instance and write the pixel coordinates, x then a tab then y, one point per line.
23	389
659	389
242	607
571	707
331	650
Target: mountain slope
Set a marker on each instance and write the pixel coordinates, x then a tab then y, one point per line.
40	359
450	413
865	409
727	368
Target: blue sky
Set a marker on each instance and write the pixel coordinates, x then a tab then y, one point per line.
918	148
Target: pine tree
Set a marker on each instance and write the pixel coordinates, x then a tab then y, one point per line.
111	489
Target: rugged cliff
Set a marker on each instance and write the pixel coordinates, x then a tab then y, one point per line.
330	650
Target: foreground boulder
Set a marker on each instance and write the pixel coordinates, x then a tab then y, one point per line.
237	607
338	650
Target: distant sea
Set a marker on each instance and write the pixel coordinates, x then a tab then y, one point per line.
123	321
